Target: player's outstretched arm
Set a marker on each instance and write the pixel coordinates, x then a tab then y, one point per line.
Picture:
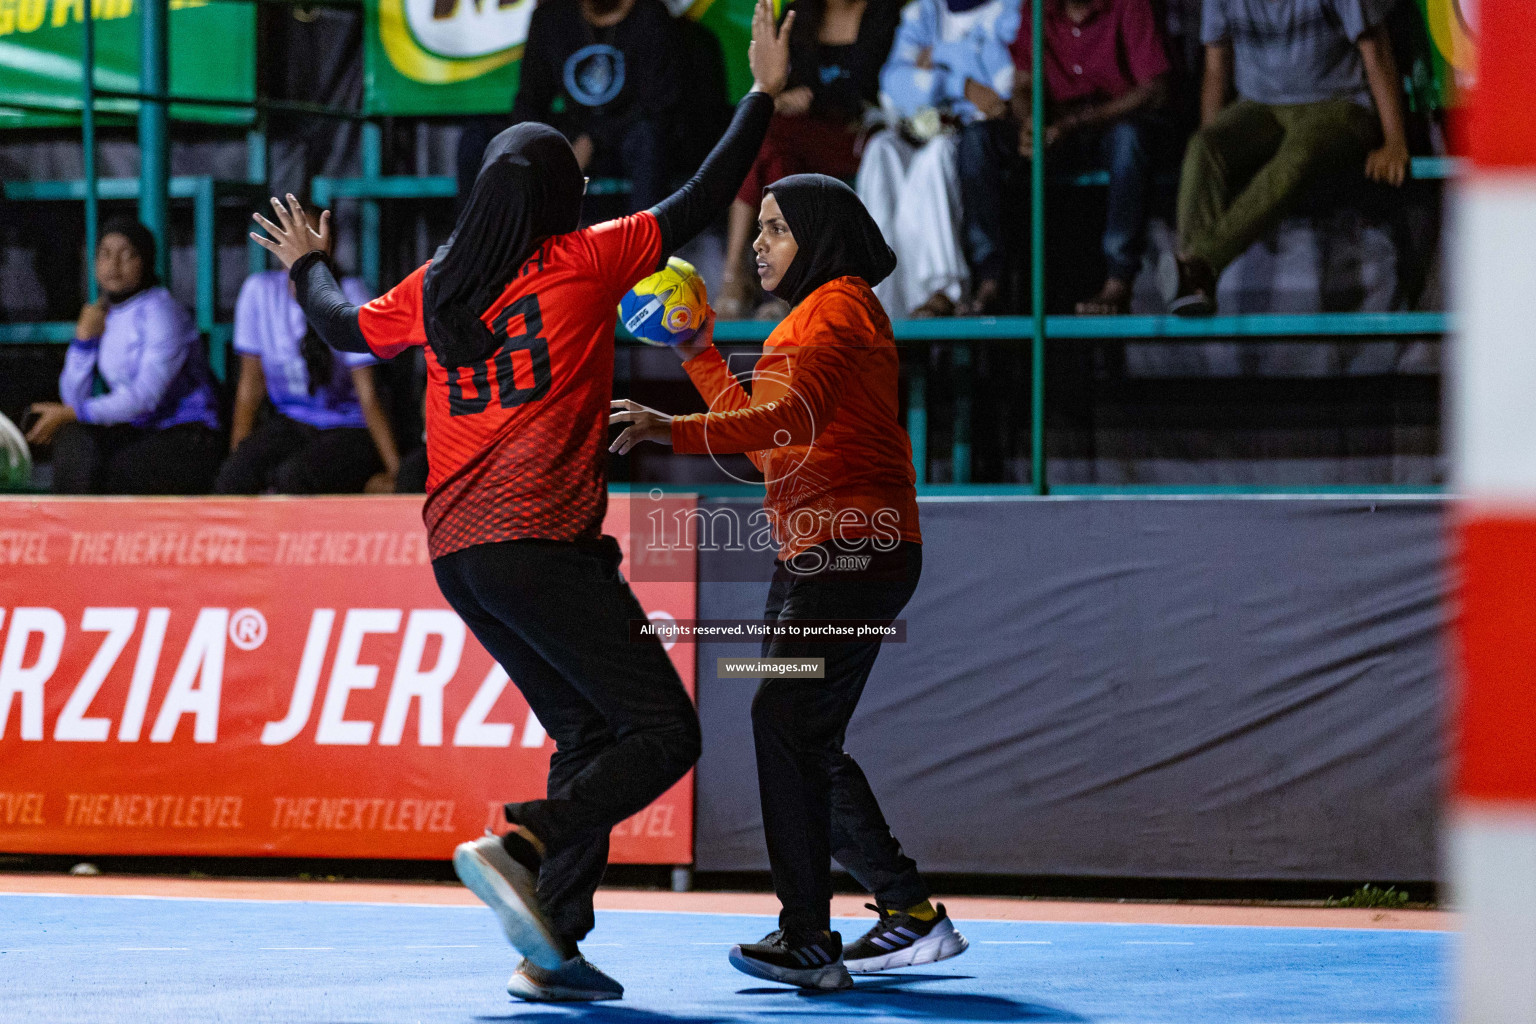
692	208
304	247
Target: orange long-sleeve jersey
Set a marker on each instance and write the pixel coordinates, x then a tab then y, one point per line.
821	422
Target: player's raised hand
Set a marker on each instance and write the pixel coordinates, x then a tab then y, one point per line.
768	54
294	234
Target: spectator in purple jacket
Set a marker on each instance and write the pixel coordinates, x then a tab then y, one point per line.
138	413
328	432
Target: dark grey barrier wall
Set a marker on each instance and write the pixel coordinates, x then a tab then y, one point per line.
1203	688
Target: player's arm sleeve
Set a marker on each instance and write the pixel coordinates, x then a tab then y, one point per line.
167	344
393	322
692	208
357	294
325	305
714	381
719	387
798	418
823	366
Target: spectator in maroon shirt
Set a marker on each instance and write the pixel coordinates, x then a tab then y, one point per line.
1105	77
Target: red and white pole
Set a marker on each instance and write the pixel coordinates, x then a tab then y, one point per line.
1492	839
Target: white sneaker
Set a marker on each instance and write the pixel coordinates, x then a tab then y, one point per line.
510	890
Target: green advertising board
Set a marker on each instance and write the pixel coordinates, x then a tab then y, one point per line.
1451	42
212	56
449	57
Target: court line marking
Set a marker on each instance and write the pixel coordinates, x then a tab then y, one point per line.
255	900
1301	943
307	949
1334	929
153	949
451	946
1154	942
1015	942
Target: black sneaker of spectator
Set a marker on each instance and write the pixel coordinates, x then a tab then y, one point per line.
1188	285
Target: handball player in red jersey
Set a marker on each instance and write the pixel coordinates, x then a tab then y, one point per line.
517	313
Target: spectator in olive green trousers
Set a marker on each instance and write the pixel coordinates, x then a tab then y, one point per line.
1318	93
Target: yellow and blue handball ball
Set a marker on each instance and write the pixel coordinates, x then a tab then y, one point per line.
666	308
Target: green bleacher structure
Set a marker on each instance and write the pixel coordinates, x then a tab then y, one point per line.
374	187
205	195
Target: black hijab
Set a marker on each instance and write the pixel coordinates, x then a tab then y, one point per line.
143	242
836	235
529	188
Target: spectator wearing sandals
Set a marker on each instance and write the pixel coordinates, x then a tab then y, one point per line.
1106	74
138	415
950	62
1308	74
328	432
836	50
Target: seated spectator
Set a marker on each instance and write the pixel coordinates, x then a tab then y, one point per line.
836	50
604	73
1307	73
950	65
139	414
1105	72
329	433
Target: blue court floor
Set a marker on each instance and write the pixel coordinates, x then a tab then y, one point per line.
133	960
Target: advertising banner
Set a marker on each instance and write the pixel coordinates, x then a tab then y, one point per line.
40	46
266	677
453	57
1438	80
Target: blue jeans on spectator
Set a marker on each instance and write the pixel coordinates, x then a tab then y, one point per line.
989	152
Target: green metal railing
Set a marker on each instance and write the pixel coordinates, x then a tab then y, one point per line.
963	333
1037	326
370	189
154	190
204	193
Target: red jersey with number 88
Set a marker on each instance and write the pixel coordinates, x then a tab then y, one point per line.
517	445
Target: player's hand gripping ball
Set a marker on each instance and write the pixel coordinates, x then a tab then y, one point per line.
666	308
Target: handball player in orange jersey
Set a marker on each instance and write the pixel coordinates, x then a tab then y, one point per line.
517	313
821	423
